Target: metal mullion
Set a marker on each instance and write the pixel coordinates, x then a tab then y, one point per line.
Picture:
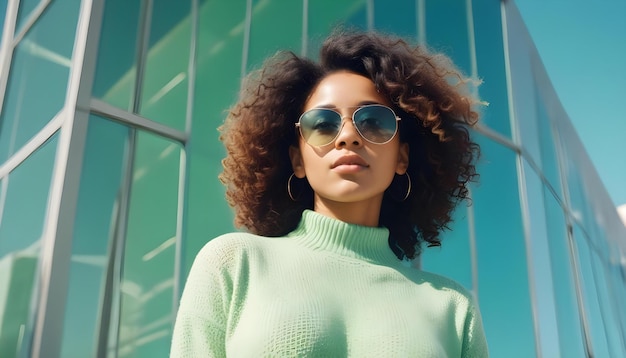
369	10
616	306
471	39
6	51
603	314
497	137
471	227
118	247
181	220
57	236
108	285
36	13
104	109
530	269
246	39
420	19
573	249
33	144
305	28
143	42
471	218
522	186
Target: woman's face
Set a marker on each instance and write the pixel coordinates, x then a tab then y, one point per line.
349	175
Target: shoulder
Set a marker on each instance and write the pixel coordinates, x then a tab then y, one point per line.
442	287
445	283
234	246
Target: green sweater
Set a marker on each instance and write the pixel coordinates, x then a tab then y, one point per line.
327	289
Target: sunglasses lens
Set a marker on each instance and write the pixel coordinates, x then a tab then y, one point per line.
376	124
320	126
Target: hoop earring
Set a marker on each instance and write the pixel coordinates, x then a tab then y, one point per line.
289	187
398	195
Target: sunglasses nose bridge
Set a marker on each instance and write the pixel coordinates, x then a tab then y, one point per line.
353	132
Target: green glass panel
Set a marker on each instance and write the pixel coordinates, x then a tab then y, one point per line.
503	283
3	11
276	25
453	258
147	287
447	31
547	144
617	279
398	17
219	53
23	204
608	308
571	339
577	191
24	12
116	70
38	76
326	15
95	227
595	320
166	77
490	62
539	252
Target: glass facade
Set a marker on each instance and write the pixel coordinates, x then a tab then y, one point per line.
109	157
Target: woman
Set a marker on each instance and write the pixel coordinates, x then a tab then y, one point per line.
339	171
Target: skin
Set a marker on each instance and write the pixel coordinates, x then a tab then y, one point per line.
350	175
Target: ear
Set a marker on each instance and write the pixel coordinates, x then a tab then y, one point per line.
403	159
296	161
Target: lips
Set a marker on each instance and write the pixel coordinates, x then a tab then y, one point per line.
350	160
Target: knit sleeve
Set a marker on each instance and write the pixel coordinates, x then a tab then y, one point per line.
200	325
474	341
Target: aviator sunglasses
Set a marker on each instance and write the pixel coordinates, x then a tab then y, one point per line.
376	123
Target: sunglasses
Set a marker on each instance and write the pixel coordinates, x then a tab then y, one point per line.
376	123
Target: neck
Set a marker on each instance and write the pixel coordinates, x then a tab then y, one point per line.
364	213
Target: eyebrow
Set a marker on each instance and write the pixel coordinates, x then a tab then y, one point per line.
360	104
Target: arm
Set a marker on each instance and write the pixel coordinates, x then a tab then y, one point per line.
474	341
200	325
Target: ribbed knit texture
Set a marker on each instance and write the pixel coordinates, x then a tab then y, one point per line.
328	289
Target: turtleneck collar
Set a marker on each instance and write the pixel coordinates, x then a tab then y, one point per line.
323	233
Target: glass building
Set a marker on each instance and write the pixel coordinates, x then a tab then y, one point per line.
109	157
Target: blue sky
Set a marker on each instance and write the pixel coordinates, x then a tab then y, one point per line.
582	44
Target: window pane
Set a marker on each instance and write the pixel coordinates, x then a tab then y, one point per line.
609	311
542	279
149	254
164	92
116	73
490	61
24	12
453	258
398	17
38	77
3	11
95	227
446	31
595	320
571	337
23	203
220	43
503	284
326	15
547	143
276	25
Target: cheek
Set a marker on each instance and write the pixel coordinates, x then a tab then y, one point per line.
312	158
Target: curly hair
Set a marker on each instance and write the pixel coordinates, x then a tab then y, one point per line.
426	91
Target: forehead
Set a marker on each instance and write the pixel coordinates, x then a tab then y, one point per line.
342	90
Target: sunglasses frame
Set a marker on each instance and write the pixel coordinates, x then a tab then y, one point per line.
358	108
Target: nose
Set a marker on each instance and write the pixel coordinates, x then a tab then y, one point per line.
348	134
